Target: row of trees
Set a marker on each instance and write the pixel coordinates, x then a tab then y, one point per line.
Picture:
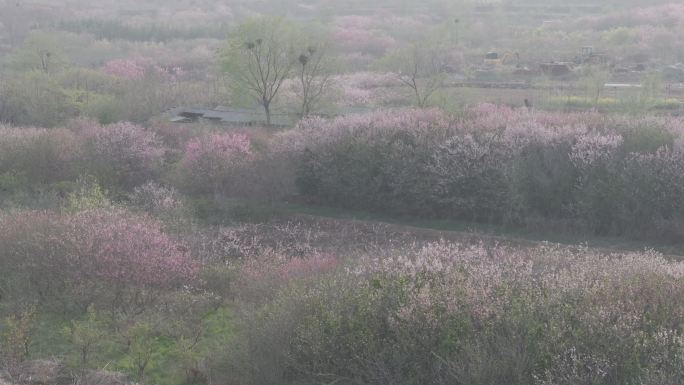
596	174
265	53
266	61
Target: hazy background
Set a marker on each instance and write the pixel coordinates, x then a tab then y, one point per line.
629	42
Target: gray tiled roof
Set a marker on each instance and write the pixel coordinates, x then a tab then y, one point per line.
231	115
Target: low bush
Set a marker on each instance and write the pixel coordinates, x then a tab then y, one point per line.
40	156
105	256
122	155
213	163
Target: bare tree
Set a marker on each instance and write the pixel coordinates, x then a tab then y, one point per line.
314	78
259	58
421	67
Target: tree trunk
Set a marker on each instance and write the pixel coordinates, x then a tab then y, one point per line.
419	99
267	110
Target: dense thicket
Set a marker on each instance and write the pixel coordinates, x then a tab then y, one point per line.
608	175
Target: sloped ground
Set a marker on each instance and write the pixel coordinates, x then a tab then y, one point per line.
378	232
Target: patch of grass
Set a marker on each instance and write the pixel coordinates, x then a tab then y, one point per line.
170	357
48	340
223	211
626	105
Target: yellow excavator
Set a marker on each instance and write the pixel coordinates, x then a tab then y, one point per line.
495	60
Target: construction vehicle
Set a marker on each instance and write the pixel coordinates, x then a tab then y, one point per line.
493	59
589	56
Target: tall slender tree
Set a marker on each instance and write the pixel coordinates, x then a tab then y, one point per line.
314	77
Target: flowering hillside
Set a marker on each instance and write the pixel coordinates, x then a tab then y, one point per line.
342	192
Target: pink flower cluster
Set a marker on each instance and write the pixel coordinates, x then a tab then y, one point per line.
365	88
211	162
484	275
221	147
107	249
314	132
590	149
156	198
125	69
124	141
123	249
121	154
